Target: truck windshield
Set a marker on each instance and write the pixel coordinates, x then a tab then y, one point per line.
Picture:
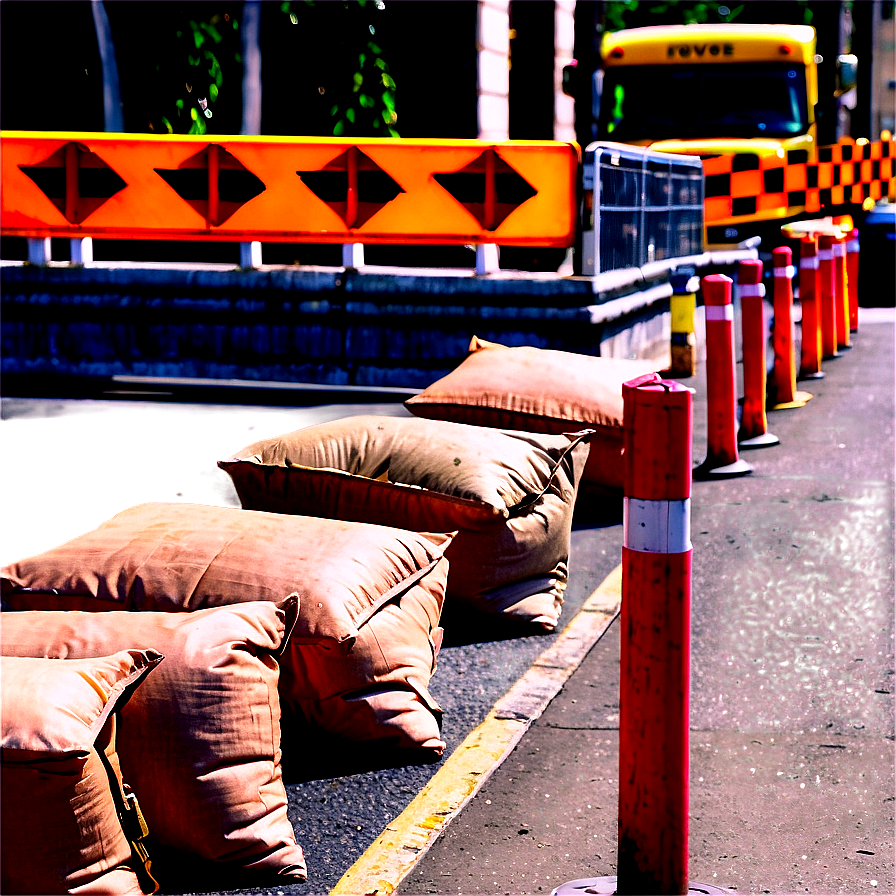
662	102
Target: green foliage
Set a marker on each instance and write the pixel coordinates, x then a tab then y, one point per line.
621	14
364	92
191	73
631	13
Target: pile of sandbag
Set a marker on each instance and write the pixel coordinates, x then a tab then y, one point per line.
322	596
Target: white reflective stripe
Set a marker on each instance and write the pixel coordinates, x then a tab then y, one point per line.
852	246
809	261
720	312
656	527
789	272
752	290
825	255
839	250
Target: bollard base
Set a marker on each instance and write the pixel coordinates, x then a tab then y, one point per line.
813	375
707	470
765	440
800	400
606	886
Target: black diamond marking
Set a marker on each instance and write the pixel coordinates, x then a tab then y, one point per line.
469	187
236	184
96	181
376	188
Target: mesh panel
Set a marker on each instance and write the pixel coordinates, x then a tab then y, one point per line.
648	205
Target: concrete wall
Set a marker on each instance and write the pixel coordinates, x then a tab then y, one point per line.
326	326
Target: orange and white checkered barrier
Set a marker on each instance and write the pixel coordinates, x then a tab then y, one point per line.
849	172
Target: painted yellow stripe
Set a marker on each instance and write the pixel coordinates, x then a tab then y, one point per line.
405	840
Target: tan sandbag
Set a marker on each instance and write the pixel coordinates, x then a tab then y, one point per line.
509	495
61	831
200	740
177	557
539	390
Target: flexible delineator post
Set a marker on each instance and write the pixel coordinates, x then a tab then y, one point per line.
655	620
753	431
852	278
722	459
810	328
826	281
784	371
841	295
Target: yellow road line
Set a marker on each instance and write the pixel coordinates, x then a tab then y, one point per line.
402	844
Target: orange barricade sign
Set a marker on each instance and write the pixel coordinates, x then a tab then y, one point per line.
849	172
327	190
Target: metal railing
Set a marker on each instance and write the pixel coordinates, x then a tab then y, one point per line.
640	207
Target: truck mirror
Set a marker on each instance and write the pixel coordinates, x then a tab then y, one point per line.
570	78
847	66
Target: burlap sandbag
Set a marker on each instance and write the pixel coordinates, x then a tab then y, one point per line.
200	740
358	585
61	828
509	495
539	390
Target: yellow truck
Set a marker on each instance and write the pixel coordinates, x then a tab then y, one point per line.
749	92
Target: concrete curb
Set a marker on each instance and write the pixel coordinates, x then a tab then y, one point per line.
406	839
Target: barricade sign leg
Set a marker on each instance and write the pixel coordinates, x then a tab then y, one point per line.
810	294
785	391
722	460
852	279
841	295
250	255
826	281
753	431
655	662
39	250
82	250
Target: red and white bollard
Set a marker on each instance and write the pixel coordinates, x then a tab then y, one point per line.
722	460
753	431
827	293
841	295
852	278
784	372
810	295
654	696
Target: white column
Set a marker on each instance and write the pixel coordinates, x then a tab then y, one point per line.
564	46
493	55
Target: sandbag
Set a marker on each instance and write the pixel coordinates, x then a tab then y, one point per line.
60	825
184	557
200	740
539	390
509	495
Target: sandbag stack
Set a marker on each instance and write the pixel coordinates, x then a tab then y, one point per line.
322	596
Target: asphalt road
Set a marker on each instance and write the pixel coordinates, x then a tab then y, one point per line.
792	664
792	660
71	464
